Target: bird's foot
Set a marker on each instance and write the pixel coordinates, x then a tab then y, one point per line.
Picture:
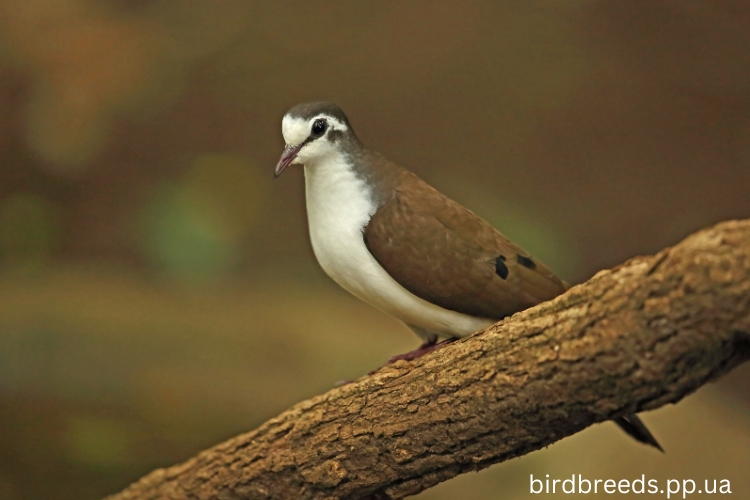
428	346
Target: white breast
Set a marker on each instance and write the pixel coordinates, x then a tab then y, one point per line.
338	208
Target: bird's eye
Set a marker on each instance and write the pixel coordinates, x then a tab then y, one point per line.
319	127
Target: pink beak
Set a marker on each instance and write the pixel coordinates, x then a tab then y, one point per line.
287	157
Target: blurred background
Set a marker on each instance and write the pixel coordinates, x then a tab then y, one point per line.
158	292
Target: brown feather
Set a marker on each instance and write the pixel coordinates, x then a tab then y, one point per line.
445	254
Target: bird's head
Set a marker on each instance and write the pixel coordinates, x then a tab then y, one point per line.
311	132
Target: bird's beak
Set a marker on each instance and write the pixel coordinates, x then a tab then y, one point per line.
287	157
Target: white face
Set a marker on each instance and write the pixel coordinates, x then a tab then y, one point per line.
298	130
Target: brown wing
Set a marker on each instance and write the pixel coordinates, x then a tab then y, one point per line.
445	254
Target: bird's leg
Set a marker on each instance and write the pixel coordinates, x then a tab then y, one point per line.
428	346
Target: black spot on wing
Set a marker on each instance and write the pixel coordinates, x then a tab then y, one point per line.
526	262
500	268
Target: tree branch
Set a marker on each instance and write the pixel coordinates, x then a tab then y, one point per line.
633	338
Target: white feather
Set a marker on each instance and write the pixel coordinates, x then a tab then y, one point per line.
339	205
295	130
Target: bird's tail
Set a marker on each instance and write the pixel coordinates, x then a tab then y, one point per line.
638	431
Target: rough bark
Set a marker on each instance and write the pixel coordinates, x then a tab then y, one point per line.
633	338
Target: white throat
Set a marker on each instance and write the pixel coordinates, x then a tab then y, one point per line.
339	206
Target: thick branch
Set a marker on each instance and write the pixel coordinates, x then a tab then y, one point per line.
633	338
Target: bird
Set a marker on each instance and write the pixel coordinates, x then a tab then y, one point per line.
395	242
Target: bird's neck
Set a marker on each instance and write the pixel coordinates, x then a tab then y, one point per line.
358	172
334	189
